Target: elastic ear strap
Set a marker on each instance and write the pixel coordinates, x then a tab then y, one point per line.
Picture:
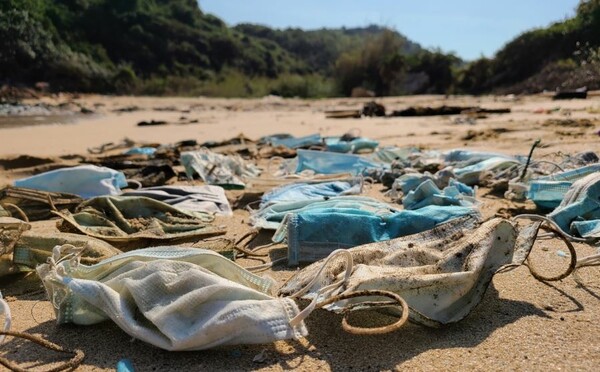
572	264
325	290
70	364
397	300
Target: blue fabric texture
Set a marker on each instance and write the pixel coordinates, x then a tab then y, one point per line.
270	216
335	144
87	181
306	191
325	162
427	193
581	203
547	192
296	142
314	234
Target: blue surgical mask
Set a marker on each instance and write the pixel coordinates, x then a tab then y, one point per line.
470	174
330	162
427	193
547	192
335	144
270	216
579	212
294	143
314	234
87	181
304	191
393	154
472	157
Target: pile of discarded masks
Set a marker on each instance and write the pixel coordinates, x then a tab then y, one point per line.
425	254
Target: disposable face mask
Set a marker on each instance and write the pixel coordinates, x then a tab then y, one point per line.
127	219
140	151
11	230
228	171
330	162
21	249
173	298
86	181
547	192
470	175
579	212
206	198
472	157
295	143
336	144
441	273
270	215
394	154
312	235
38	205
427	193
307	191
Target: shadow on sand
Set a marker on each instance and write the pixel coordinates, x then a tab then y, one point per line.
327	344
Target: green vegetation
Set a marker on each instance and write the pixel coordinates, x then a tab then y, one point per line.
561	51
170	47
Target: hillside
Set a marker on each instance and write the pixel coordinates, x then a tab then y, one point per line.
171	47
564	55
158	47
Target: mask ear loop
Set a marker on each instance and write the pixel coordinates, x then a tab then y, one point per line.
397	300
314	304
561	235
325	290
555	227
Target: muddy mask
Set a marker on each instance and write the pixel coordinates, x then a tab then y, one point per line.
442	273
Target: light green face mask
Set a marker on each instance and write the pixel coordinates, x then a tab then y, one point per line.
21	249
172	297
11	230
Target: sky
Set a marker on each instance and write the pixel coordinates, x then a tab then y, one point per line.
470	28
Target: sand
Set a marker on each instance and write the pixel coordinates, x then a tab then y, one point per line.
521	324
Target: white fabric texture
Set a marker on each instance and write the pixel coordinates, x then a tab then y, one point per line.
173	298
205	198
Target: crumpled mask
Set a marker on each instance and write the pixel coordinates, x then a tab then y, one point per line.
125	219
171	297
427	193
314	234
471	174
307	191
579	212
547	192
441	273
21	249
205	198
11	230
86	181
325	162
228	171
38	205
269	216
338	144
296	142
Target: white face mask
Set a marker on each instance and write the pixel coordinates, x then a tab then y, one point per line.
173	298
441	273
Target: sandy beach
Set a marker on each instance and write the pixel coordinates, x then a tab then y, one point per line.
521	324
